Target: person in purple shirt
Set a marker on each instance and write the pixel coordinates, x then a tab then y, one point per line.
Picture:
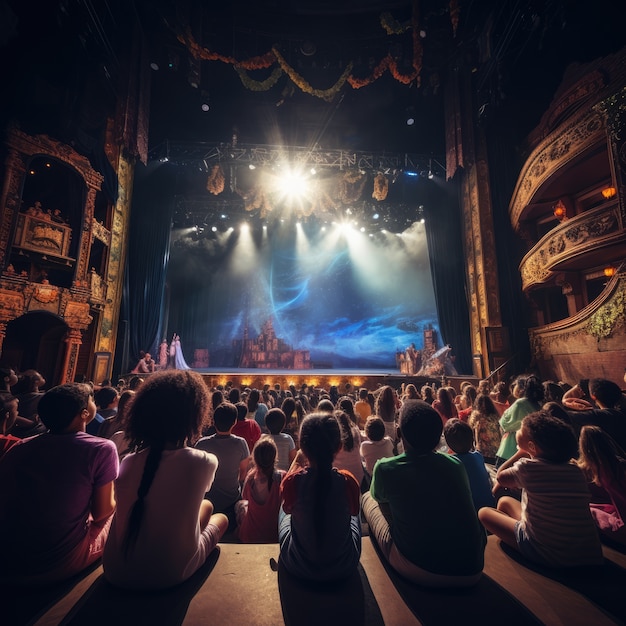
57	498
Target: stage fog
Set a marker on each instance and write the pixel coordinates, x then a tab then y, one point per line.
350	298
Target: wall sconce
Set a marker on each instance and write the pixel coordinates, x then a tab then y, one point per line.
559	211
609	192
609	271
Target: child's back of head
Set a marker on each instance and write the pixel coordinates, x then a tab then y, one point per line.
60	405
554	438
420	426
320	439
459	436
224	417
275	420
264	454
242	411
374	428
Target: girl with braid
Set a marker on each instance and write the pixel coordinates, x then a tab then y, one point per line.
319	529
164	529
257	512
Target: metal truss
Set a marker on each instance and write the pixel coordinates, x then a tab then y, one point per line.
205	155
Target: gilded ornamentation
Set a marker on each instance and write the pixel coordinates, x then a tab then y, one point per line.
11	304
561	146
568	239
606	319
100	232
45	294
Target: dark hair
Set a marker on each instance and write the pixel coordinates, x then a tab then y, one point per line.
217	397
484	405
325	406
428	394
288	406
224	416
552	392
135	382
374	428
60	405
123	406
555	439
264	454
275	420
345	424
105	396
556	410
363	393
346	405
168	408
386	404
606	391
601	458
234	395
459	435
501	391
470	392
320	440
532	388
254	397
447	410
411	392
242	411
28	382
420	426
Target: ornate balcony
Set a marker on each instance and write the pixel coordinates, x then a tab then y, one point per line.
588	232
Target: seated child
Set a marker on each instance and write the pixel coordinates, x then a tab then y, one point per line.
275	420
377	445
57	497
233	455
257	511
319	528
163	529
246	428
420	507
460	438
603	462
8	416
552	525
349	456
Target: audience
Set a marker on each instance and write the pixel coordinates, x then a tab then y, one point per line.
362	407
8	416
552	525
528	392
61	527
420	509
285	445
233	454
484	421
319	528
377	445
164	529
348	457
459	437
245	426
257	511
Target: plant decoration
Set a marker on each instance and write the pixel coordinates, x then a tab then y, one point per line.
609	316
215	182
264	61
325	94
381	187
392	26
256	85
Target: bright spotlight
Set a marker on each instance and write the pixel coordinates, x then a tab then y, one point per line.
430	175
375	216
245	227
292	184
252	166
313	171
422	221
214	229
362	229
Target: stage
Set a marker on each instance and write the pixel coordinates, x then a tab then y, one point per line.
345	380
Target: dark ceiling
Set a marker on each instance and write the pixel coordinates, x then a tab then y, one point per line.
519	51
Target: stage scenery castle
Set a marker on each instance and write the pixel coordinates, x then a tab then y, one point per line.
268	351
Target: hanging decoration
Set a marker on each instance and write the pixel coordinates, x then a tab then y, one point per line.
381	187
350	186
256	85
273	56
325	94
215	183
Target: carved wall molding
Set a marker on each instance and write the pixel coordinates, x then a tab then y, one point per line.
604	318
559	148
576	236
101	233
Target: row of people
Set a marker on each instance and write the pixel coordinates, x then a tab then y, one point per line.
157	441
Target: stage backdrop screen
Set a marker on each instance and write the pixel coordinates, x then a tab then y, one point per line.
351	299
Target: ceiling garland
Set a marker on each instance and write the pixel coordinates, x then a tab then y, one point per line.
274	57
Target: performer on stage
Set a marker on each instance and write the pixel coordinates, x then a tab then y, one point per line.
163	353
145	365
177	360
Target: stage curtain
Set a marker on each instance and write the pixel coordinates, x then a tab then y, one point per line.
447	266
141	313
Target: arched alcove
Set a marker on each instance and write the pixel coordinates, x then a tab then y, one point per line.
35	341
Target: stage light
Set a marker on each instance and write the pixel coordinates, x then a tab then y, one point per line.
252	166
362	229
154	66
430	175
375	216
411	174
205	106
410	116
313	171
214	229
